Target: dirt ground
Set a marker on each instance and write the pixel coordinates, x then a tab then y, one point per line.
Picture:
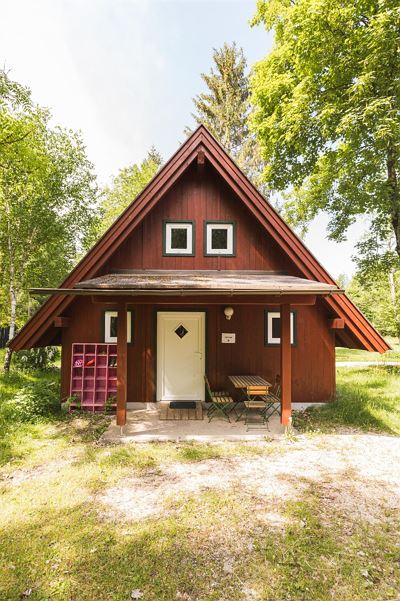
357	473
303	518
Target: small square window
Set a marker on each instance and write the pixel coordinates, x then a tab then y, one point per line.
111	326
178	238
219	238
273	328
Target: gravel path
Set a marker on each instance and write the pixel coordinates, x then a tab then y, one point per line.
357	473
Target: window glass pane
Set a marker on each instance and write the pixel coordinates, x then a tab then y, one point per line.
276	327
181	331
113	326
219	239
179	238
273	326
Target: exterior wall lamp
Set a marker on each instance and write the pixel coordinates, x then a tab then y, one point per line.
228	312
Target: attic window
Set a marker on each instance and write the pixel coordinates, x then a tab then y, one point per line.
178	238
219	238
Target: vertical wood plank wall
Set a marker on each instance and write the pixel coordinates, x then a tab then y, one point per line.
204	196
200	197
313	357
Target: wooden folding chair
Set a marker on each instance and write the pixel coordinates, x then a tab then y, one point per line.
255	405
273	399
220	403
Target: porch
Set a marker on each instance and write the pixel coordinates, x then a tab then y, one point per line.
195	323
171	295
143	424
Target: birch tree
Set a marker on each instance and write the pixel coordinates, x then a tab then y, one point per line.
47	202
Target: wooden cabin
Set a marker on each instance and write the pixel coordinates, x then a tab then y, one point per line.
199	275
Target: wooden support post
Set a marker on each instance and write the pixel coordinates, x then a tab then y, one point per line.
286	366
122	363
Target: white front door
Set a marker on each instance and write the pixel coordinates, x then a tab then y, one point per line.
180	356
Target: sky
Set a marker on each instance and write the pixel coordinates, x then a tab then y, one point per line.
124	73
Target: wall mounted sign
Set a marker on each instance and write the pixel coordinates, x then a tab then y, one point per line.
228	338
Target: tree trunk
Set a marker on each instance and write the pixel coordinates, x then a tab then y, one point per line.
393	297
393	194
7	359
396	229
13	318
13	300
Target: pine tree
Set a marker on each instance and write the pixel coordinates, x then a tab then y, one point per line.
225	107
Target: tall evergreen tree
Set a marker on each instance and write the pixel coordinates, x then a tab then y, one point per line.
224	109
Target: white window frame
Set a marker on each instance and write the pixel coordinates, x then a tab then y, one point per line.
230	249
107	326
276	315
184	225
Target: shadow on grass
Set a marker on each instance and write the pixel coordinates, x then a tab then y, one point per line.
14	433
73	554
17	438
321	554
366	399
82	427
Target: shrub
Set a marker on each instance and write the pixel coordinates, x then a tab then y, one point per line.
36	358
71	400
109	404
33	402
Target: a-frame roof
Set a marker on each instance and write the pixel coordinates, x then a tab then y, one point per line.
358	330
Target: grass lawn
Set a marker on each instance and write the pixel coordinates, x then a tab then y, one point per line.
367	398
346	354
307	518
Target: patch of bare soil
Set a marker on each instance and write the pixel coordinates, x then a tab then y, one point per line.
354	473
44	470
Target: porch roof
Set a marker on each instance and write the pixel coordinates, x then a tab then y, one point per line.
195	282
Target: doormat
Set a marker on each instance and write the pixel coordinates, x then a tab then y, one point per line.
166	412
182	405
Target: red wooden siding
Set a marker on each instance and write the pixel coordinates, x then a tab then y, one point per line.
313	357
40	329
200	196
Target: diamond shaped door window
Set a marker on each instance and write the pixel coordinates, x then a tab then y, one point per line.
181	331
